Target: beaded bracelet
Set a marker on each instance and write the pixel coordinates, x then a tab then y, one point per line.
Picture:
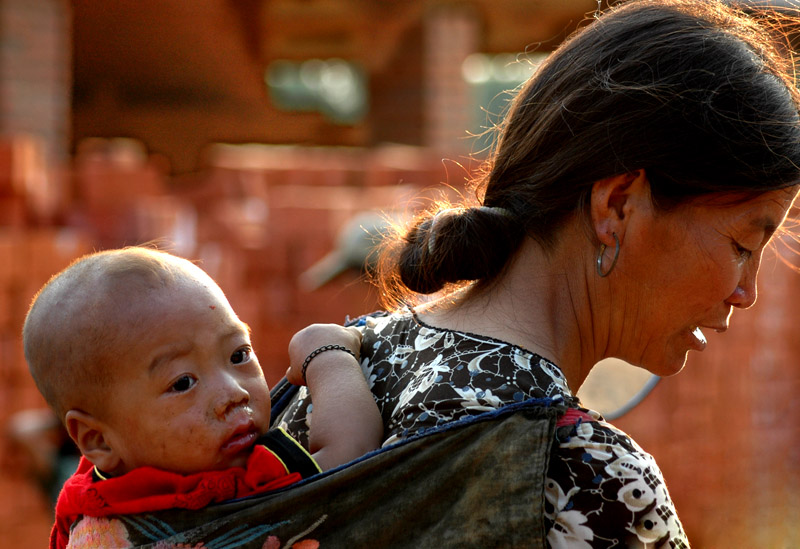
315	352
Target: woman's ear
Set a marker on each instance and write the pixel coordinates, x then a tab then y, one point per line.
614	200
88	433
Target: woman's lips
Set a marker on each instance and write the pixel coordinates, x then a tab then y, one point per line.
698	339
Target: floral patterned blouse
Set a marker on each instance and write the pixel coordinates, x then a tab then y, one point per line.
602	489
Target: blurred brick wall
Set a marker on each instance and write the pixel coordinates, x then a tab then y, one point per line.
35	72
32	248
451	34
397	83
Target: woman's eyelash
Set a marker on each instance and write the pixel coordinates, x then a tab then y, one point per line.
742	251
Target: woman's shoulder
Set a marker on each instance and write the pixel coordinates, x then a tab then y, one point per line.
602	485
405	328
583	427
383	326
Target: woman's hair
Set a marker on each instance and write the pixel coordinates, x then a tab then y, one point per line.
698	94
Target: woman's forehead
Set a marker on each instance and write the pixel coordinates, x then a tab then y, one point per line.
776	201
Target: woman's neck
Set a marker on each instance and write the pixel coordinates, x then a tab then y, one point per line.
541	303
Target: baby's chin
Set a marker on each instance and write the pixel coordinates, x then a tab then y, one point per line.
240	461
228	462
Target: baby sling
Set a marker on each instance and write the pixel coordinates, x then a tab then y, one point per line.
476	482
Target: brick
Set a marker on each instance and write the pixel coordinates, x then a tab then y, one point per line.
11	268
222	262
13	212
279	298
6	309
271	261
292	224
109	183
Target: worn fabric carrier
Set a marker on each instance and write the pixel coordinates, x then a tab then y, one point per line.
477	482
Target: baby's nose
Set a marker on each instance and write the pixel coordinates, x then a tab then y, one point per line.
231	395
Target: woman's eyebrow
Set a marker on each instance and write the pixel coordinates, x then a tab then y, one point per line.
765	224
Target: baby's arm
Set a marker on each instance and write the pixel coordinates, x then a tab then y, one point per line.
345	422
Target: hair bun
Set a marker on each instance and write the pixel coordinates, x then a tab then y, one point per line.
457	245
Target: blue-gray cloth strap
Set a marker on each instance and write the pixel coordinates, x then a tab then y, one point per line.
477	482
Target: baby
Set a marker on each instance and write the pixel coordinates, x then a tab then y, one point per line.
141	356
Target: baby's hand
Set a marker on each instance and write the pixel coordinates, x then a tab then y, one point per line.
313	337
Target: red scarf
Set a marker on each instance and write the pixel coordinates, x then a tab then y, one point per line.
149	489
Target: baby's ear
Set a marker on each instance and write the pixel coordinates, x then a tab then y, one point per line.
88	434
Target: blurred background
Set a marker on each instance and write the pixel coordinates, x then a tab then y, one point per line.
257	136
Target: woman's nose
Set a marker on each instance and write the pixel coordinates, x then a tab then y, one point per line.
746	293
231	395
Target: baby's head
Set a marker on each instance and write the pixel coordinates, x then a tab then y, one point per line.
143	359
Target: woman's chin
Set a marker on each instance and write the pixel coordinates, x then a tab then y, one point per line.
666	366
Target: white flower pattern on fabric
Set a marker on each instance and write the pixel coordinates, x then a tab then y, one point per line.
570	532
627	466
428	338
583	439
478	399
555	495
474	366
653	526
636	495
421	382
559	385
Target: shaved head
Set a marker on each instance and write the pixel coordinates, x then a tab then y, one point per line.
81	319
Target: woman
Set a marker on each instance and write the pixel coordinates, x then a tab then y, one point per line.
638	177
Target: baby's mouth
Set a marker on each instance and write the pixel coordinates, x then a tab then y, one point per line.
242	438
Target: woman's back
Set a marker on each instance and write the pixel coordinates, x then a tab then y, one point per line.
596	477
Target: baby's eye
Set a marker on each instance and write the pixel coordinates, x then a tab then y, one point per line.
182	384
240	356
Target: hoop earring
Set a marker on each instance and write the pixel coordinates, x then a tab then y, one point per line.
613	262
